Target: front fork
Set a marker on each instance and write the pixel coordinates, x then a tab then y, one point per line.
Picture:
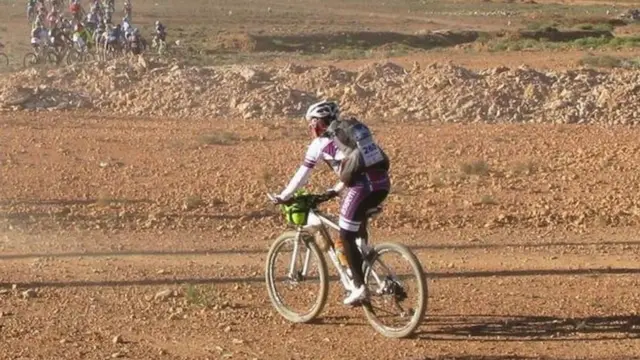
294	257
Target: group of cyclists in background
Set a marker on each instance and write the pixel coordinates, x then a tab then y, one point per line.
84	35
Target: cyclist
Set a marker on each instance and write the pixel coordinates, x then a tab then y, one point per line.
41	16
39	37
127	9
98	35
367	189
113	38
56	4
58	38
110	4
53	18
126	26
92	20
161	32
96	7
31	9
76	10
81	37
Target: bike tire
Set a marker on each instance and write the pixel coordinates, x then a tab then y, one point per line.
419	313
4	60
53	58
72	57
88	57
276	300
30	59
110	54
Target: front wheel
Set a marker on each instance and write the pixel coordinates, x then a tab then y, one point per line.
398	290
88	57
302	277
30	59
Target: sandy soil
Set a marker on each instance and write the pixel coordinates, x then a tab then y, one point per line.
97	242
535	256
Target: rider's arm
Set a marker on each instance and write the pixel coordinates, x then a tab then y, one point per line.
302	175
298	180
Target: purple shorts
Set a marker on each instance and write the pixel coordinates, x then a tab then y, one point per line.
368	192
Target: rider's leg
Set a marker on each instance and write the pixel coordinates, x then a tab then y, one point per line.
358	200
362	232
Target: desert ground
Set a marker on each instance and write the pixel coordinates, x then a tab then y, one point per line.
134	221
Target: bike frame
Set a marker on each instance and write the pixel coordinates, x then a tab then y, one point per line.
319	222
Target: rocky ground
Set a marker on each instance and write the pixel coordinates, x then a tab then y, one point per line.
435	93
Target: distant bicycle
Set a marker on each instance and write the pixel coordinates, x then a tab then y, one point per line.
40	57
160	45
76	55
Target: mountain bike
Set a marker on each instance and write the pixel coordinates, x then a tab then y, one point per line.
42	55
79	52
76	55
159	44
308	242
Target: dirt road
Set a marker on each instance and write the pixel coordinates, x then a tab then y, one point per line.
99	216
145	237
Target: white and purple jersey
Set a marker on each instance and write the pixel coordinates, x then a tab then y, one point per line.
323	148
320	149
356	201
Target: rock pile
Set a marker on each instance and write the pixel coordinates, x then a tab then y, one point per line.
437	93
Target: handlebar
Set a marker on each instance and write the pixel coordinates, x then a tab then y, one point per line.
312	200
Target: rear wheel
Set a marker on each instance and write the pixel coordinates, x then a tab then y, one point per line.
398	290
111	53
73	57
53	57
296	276
87	57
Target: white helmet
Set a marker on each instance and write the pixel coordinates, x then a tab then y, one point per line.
325	110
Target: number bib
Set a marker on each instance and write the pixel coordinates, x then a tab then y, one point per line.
371	154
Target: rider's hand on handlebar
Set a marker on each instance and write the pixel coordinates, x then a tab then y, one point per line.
331	193
276	200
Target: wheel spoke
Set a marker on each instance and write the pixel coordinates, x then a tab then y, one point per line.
395	319
296	278
307	258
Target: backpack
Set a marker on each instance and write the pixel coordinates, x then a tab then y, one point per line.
355	140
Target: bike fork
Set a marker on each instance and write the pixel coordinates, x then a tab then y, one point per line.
294	258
